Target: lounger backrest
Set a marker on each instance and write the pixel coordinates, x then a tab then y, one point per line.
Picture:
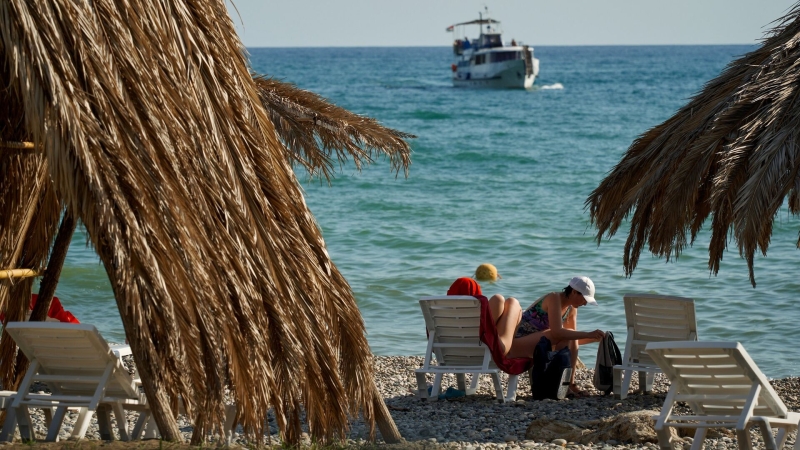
454	320
656	318
716	376
72	350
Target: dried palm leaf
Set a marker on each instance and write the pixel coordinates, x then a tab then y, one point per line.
733	153
313	130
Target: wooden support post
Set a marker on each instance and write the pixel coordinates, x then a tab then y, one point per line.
57	256
6	274
14	145
386	425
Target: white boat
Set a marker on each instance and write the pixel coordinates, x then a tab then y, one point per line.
488	62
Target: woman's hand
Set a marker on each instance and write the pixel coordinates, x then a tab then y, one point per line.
596	335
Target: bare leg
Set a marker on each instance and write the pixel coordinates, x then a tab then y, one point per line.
573	359
497	304
523	347
506	313
573	355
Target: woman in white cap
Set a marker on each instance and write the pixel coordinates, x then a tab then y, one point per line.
555	316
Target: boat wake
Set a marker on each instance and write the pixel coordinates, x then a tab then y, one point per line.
552	86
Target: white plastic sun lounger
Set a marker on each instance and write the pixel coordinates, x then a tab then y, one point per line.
651	318
453	325
724	389
81	371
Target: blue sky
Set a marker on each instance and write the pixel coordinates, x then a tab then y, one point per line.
365	23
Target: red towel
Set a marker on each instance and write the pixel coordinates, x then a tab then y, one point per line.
56	311
488	330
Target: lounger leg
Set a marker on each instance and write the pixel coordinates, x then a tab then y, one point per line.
766	434
144	416
498	386
473	385
743	439
104	422
422	385
700	438
512	388
9	426
617	388
664	438
437	387
230	422
82	424
646	380
48	416
24	422
122	422
780	439
56	421
625	383
461	382
151	430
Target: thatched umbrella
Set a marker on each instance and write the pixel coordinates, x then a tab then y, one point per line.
733	152
147	126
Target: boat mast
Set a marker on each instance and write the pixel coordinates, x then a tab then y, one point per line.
480	26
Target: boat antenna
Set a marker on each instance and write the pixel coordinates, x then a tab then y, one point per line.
480	25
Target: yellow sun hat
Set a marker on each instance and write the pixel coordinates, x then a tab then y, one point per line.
487	272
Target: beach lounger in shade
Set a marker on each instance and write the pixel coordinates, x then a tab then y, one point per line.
651	318
81	371
724	388
454	346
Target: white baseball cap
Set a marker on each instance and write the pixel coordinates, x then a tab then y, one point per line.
585	286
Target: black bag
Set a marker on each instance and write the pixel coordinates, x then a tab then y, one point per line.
550	372
608	356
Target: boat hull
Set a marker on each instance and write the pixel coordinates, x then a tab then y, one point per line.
511	75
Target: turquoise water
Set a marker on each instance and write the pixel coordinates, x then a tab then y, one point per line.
501	177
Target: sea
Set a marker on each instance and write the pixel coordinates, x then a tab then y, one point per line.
502	176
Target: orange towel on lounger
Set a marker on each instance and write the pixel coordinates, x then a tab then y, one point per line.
488	329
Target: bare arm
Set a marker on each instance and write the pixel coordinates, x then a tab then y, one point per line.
563	331
572	322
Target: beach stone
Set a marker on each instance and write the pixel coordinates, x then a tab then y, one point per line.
561	442
425	432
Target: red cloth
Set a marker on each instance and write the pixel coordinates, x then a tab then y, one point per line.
56	311
488	329
465	286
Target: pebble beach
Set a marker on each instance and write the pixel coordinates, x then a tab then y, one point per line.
480	422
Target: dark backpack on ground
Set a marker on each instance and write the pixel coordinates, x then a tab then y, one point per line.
608	356
550	372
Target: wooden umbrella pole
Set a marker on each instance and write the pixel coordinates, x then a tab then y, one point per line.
386	425
51	275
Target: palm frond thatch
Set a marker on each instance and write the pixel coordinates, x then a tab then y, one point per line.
314	129
154	135
733	152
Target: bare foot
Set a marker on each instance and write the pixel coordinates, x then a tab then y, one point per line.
576	392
